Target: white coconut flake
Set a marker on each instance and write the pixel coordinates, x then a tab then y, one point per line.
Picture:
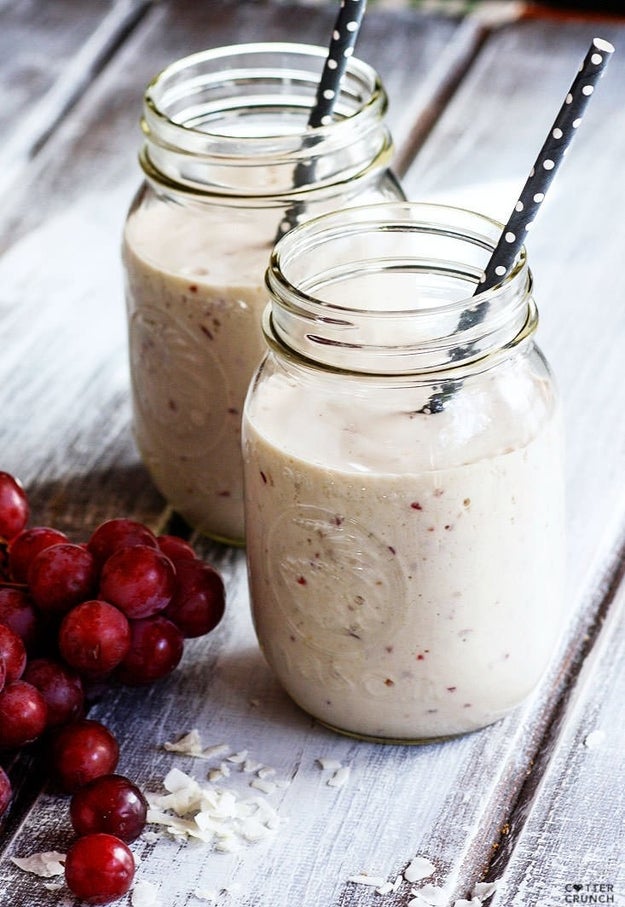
225	769
265	772
364	879
484	890
46	864
189	744
340	777
267	787
419	868
219	749
329	765
462	902
216	816
238	758
386	888
432	895
594	739
56	885
250	766
144	894
151	836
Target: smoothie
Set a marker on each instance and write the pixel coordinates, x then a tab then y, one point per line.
403	587
195	341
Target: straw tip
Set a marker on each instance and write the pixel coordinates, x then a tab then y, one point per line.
602	44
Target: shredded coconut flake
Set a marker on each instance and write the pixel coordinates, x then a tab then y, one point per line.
432	895
329	765
250	766
386	888
216	816
150	836
46	864
144	894
419	868
238	758
267	787
340	777
265	772
364	879
219	749
462	902
594	739
188	745
484	890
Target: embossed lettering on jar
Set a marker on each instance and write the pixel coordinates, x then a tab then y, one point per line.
403	474
228	163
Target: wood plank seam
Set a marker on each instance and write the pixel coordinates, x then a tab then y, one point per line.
574	657
45	116
436	91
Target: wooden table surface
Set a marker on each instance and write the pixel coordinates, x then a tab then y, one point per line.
537	801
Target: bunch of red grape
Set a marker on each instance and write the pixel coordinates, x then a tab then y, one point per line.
74	617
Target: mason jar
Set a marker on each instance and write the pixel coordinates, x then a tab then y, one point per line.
402	449
229	166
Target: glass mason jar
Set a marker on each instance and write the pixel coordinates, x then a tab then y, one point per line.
402	453
229	164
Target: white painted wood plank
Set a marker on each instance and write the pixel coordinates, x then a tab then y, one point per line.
48	55
399	801
571	844
479	156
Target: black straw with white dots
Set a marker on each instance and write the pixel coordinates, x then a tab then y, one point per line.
341	48
541	176
546	164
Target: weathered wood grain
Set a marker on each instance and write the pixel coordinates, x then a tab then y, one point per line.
567	837
65	427
479	155
49	55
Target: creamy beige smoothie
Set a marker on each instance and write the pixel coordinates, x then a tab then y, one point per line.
195	341
398	590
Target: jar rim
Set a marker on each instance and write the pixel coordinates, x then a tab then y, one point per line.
384	288
156	118
365	216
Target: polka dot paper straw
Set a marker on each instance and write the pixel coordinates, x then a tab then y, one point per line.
341	48
546	164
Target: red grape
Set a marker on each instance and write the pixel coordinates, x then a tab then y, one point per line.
62	576
111	804
18	613
60	687
175	548
94	637
118	533
99	868
22	714
5	791
138	580
198	603
13	653
156	648
82	751
27	545
13	506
